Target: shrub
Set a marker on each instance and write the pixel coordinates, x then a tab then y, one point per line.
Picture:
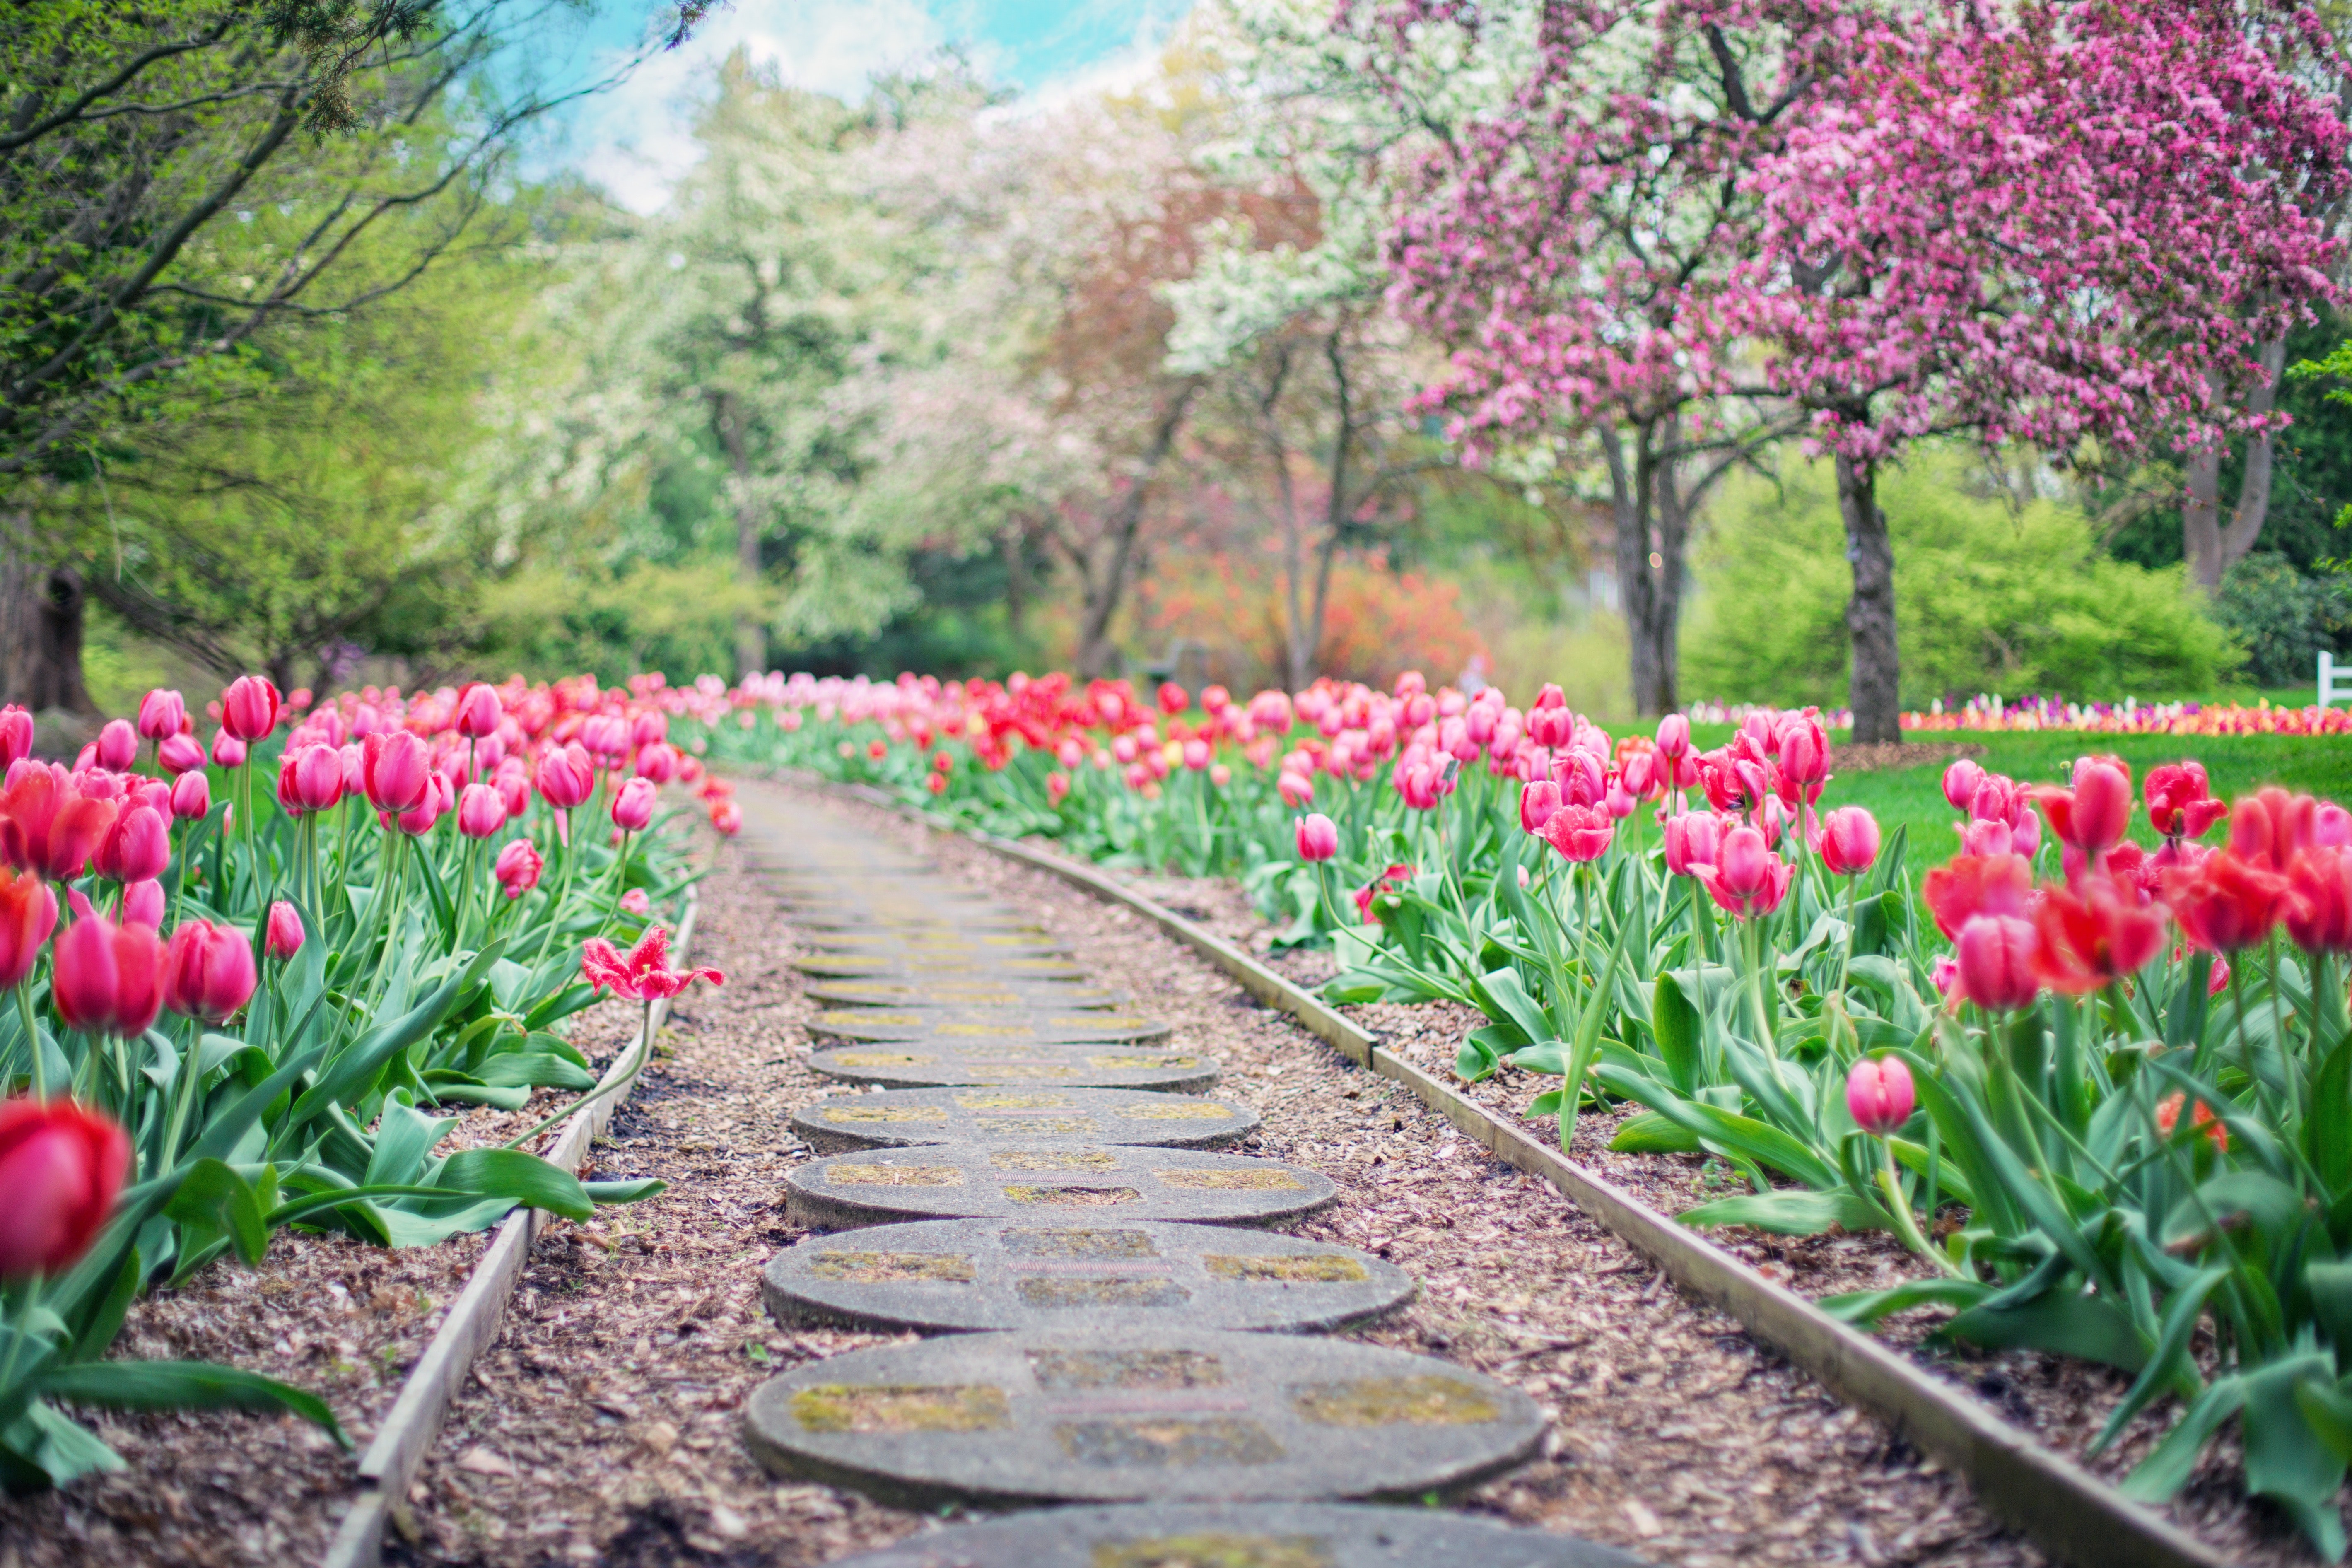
2283	618
1989	597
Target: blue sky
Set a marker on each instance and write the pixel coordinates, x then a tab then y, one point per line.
634	141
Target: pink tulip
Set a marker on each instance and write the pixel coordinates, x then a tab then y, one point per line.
438	797
1996	962
1318	837
50	820
249	708
162	714
566	777
136	849
207	972
1196	755
1805	754
514	784
61	1167
393	770
650	725
309	778
633	806
108	979
1849	841
1581	833
180	755
478	711
1692	839
726	817
1295	789
481	811
656	760
638	901
142	903
517	868
1960	782
1746	879
1538	802
15	734
28	913
283	935
1982	837
192	795
228	752
1674	737
118	745
1880	1095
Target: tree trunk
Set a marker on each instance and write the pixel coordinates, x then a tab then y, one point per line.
2208	546
751	633
1105	581
1665	619
1876	692
40	634
1649	604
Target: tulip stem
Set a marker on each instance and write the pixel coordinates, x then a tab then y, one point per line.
644	1053
1899	1207
33	1045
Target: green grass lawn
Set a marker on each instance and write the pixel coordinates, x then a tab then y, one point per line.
2320	765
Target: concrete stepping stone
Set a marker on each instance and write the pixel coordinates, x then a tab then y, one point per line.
1241	1535
907	1117
846	965
895	1065
961	1275
890	992
1137	1414
939	1026
1049	1183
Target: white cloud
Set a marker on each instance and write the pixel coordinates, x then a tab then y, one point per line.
636	140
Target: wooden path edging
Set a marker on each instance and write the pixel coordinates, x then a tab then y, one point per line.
2061	1507
389	1467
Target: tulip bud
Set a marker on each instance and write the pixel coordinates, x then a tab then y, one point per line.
2102	807
284	934
118	745
481	811
1996	962
517	868
1880	1095
228	752
108	979
207	972
28	913
478	711
142	903
1960	782
192	795
161	712
61	1166
1318	837
16	735
633	807
249	708
136	849
1674	737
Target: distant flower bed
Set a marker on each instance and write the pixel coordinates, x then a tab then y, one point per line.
2124	718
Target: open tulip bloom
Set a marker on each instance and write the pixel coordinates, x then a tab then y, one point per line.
268	975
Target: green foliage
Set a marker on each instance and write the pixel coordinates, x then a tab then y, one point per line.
1989	597
2283	616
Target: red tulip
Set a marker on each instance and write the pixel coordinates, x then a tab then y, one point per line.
61	1167
137	848
118	745
1581	833
394	767
207	972
478	711
517	868
192	795
2093	814
2167	1117
2270	825
566	777
2223	902
2319	900
1960	782
1173	698
283	936
249	708
1996	962
15	734
28	913
2180	804
109	979
726	817
645	973
1879	1094
2089	937
1538	800
48	825
633	806
1970	885
1849	841
1318	837
481	811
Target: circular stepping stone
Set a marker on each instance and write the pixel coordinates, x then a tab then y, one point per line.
1241	1535
1049	1183
924	940
1111	1415
846	965
907	1117
901	1066
961	1274
992	1026
951	992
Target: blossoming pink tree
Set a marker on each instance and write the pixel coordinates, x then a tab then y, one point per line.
2050	224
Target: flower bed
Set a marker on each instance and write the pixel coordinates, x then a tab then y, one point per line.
2101	1096
262	998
